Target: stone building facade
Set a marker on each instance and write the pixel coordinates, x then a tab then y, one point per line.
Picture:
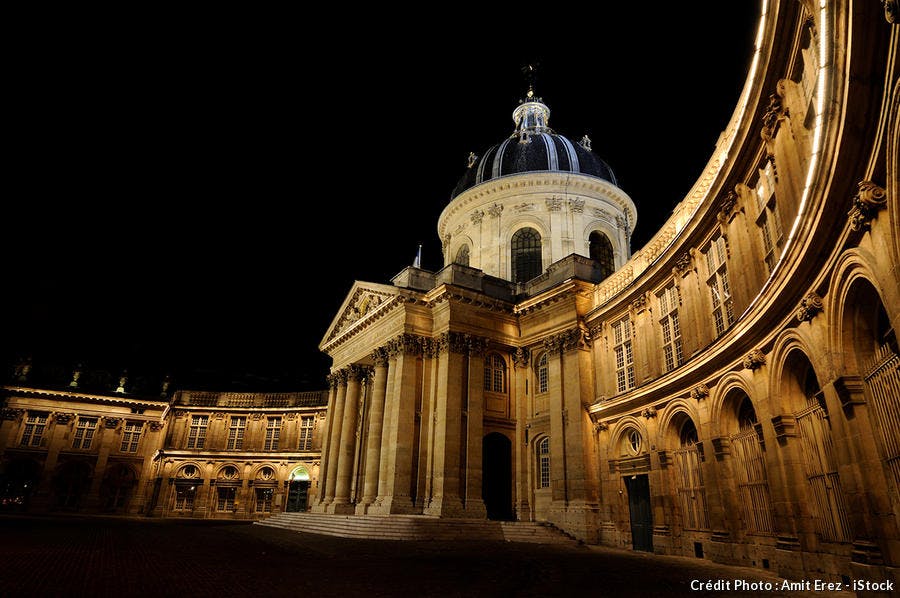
730	391
182	454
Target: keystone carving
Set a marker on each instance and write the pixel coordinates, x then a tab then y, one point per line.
809	307
648	413
868	200
700	392
754	359
521	356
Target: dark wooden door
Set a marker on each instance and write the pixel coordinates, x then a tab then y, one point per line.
639	508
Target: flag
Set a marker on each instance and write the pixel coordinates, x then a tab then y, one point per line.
417	263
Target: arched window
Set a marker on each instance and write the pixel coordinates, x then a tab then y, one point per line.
494	373
601	251
526	254
462	256
689	481
543	455
543	374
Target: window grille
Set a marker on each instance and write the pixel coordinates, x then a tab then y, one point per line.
131	437
33	433
306	430
273	434
883	383
624	355
84	432
494	373
690	488
671	328
719	288
543	374
236	433
526	254
184	498
197	433
226	498
544	462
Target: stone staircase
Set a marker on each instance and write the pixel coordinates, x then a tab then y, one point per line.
418	527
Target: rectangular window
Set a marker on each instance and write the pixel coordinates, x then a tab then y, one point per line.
720	290
236	433
544	462
624	355
35	424
197	433
264	500
131	436
671	329
273	433
769	221
306	433
184	497
84	432
226	498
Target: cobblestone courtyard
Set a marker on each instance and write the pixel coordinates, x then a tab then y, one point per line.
139	557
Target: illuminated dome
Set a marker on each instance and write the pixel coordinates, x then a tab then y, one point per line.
533	147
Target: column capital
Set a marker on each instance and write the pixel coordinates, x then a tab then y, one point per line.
380	356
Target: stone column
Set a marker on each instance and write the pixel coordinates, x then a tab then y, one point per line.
395	469
376	423
474	466
445	490
521	452
347	450
318	504
332	454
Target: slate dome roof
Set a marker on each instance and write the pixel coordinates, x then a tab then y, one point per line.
533	147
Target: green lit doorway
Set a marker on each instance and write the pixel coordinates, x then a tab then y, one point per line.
298	491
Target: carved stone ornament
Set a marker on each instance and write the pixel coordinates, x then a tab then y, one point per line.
577	205
111	422
256	416
521	356
405	344
574	338
63	418
754	359
585	142
180	413
472	159
648	413
219	415
892	11
10	414
357	372
809	307
726	207
640	303
380	356
775	113
553	344
477	345
523	207
363	304
156	426
495	210
554	204
600	427
700	392
683	264
332	380
477	216
868	200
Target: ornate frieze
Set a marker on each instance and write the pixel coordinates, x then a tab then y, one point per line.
256	416
477	216
700	392
495	210
63	418
554	204
600	213
521	357
809	307
10	414
754	359
868	200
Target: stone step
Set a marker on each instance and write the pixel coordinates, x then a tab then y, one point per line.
417	527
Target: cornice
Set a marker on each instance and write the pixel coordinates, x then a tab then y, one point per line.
339	337
78	396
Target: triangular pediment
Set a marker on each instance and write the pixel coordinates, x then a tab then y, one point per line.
363	301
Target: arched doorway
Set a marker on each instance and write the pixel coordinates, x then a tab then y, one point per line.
18	481
298	490
71	484
118	484
496	485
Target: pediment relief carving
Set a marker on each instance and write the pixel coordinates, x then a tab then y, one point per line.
363	304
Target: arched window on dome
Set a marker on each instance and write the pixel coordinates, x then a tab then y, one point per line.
526	254
462	256
601	251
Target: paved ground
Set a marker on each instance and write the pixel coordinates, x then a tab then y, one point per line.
75	557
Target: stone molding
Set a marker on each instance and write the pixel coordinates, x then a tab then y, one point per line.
785	427
111	423
477	216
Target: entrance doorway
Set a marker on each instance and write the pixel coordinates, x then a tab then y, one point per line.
298	491
496	484
639	508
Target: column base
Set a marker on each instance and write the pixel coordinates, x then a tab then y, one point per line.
393	505
341	508
443	506
475	509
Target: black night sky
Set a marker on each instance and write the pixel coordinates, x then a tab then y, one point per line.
196	194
